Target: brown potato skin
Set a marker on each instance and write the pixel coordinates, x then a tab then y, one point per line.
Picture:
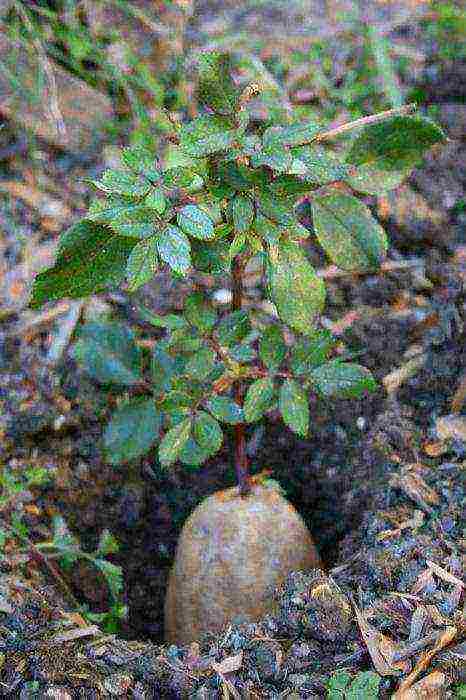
232	553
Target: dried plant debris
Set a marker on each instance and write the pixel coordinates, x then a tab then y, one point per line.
390	621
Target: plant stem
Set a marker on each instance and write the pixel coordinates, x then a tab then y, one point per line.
241	458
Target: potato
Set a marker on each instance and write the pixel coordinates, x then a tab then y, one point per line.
232	554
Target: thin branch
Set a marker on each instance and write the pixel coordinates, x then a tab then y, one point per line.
363	121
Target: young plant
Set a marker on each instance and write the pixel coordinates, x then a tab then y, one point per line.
226	192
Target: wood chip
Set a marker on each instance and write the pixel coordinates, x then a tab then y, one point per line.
394	380
416	488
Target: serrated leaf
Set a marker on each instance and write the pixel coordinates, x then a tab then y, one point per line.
296	290
308	353
272	347
156	200
201	365
241	177
216	87
182	178
342	379
174	441
258	399
347	231
396	143
174	248
199	313
108	353
321	166
132	431
294	407
142	264
142	161
90	258
225	410
212	257
193	221
242	213
233	328
207	134
292	135
207	432
162	370
123	182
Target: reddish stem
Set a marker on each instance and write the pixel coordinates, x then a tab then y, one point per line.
241	458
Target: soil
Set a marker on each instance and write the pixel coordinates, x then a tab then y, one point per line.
351	480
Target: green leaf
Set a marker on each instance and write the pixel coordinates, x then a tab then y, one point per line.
192	454
294	407
173	442
113	575
308	353
199	313
142	161
272	347
156	200
162	370
278	210
347	231
342	379
195	222
170	321
292	135
321	166
225	410
216	88
135	223
201	365
142	264
132	431
371	180
212	257
274	156
113	207
296	290
109	353
365	686
396	143
237	245
207	134
242	352
243	213
174	248
207	432
123	182
233	328
258	399
267	230
91	258
108	544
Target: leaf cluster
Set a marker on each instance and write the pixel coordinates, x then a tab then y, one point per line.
227	191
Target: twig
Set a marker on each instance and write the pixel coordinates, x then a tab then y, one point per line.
333	272
414	647
363	121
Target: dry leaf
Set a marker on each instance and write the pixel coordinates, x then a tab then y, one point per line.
429	688
444	639
381	649
228	665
